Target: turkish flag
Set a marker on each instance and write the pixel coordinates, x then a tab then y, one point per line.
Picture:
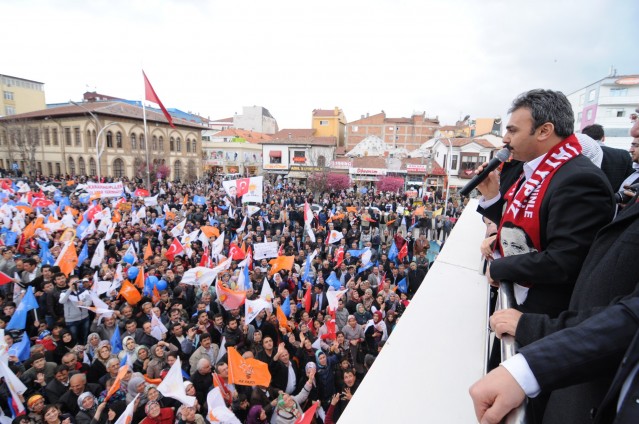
236	253
41	203
92	211
175	249
307	416
403	252
141	193
339	257
149	94
242	186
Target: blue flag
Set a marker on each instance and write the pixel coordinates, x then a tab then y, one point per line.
213	221
19	319
333	281
10	238
365	267
84	198
116	341
307	272
356	253
286	307
22	349
64	201
124	360
160	222
82	227
393	252
84	254
199	200
402	286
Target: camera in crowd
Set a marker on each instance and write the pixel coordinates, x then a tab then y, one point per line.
622	197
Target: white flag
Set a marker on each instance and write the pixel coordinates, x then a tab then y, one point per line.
131	250
173	387
127	415
178	229
198	276
333	296
151	201
253	307
90	229
218	412
218	245
98	257
158	330
366	256
16	387
267	294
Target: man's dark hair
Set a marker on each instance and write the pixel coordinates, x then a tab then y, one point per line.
594	131
130	321
547	106
30	261
204	336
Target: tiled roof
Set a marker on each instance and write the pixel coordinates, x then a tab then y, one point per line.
118	109
315	141
294	133
250	136
324	112
459	142
222	120
369	162
451	128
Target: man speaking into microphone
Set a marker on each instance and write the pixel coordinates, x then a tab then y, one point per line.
560	201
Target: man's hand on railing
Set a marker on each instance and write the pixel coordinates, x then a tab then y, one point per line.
505	321
495	395
487	247
490	279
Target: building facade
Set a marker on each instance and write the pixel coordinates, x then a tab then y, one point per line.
255	118
20	95
610	102
408	133
233	151
62	141
330	123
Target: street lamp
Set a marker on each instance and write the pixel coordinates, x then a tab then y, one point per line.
98	150
448	162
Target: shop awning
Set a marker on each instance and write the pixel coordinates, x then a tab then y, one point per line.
297	175
275	153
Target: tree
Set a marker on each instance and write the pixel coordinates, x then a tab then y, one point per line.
392	184
157	170
324	181
21	142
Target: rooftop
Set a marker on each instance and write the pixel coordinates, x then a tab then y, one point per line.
250	136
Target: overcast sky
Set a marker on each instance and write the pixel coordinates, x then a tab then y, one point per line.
448	58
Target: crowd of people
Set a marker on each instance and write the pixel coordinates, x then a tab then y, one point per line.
70	327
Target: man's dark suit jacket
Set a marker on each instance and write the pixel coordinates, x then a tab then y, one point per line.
610	270
617	165
594	348
577	203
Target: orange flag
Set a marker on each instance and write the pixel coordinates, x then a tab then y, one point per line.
116	217
280	263
351	209
130	293
68	259
281	318
419	211
210	231
116	384
139	280
230	299
170	215
156	295
247	372
29	231
148	252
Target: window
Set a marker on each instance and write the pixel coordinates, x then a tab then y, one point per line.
50	168
36	136
57	168
299	156
582	98
8	95
142	142
161	145
67	136
9	110
391	128
82	166
454	164
93	138
177	170
589	114
591	95
188	145
178	144
621	113
172	144
3	138
579	117
55	136
39	164
134	142
118	140
355	128
618	92
109	139
118	168
191	170
321	161
154	143
275	156
71	166
194	146
469	162
92	167
78	139
323	123
89	138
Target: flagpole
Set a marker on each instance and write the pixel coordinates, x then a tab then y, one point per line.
146	140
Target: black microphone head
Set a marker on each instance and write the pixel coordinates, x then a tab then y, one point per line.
503	155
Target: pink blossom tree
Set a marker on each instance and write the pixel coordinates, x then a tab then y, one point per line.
392	184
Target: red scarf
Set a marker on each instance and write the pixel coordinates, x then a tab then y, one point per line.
523	205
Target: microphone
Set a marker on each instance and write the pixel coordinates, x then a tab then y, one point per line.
500	157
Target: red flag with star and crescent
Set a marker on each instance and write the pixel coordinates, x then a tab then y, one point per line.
242	186
236	253
174	250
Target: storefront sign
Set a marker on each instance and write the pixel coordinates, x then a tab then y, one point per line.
341	164
367	171
275	166
417	168
302	168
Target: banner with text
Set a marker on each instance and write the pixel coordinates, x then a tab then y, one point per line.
105	189
265	250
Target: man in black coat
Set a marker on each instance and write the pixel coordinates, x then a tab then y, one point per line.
616	163
572	356
414	279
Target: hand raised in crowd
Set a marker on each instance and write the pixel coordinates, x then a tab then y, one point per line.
335	399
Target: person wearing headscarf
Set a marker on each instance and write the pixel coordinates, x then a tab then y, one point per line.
92	346
256	415
142	359
92	413
99	366
35	404
325	378
158	358
129	348
288	408
188	415
361	314
137	385
155	414
65	345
